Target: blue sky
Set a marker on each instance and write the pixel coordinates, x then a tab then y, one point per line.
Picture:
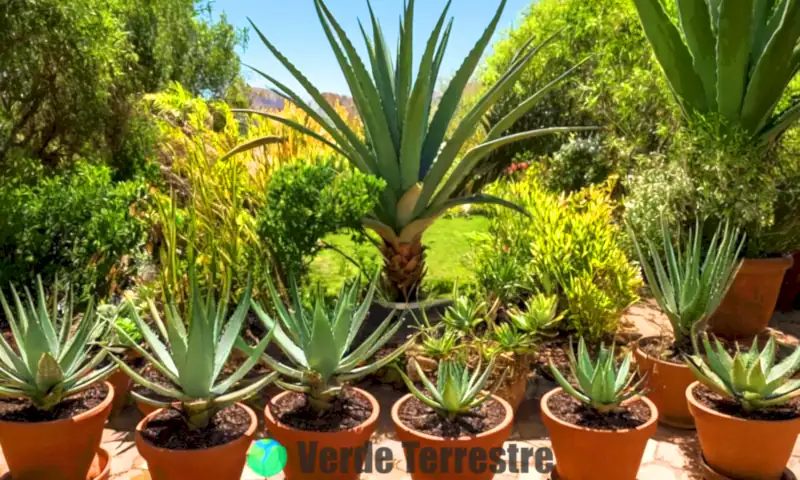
293	26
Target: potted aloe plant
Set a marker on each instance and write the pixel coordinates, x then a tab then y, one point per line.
205	432
318	406
741	401
600	425
454	414
688	286
119	379
411	140
53	401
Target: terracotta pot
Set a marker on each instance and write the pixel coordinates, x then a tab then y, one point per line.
145	408
101	466
588	454
748	306
122	385
57	450
485	441
293	440
515	394
728	444
667	384
223	462
790	289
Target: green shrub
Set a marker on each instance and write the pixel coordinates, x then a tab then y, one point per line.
579	163
571	244
78	224
307	202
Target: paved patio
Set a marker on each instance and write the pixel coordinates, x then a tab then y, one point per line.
671	455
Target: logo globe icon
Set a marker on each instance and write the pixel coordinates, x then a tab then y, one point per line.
266	457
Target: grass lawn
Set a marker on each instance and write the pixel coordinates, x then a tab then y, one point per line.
448	246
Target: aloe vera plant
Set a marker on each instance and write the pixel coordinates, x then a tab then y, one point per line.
688	284
751	378
600	384
320	343
457	390
734	58
406	139
192	353
540	315
509	338
465	314
52	360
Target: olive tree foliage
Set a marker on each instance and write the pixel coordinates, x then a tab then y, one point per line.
616	84
72	71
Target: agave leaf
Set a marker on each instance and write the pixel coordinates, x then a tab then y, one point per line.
231	333
695	19
244	369
290	348
567	386
733	55
246	392
289	123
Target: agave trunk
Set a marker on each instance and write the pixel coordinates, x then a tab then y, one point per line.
403	268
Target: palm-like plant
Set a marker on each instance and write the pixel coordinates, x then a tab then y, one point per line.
457	390
192	357
751	378
688	287
734	58
51	361
320	343
405	130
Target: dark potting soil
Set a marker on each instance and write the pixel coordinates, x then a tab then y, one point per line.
150	373
21	410
566	408
350	410
726	406
667	351
169	429
422	418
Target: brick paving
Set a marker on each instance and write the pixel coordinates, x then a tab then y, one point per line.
671	455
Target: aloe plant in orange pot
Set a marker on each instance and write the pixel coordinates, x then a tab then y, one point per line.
54	401
688	285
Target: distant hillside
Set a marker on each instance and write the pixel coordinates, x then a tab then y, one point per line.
263	99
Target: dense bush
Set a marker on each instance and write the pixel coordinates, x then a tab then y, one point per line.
307	202
79	225
579	163
570	244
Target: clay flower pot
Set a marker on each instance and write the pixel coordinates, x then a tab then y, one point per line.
589	454
790	289
667	384
56	450
122	385
293	439
485	441
222	462
516	393
739	448
145	408
101	466
748	306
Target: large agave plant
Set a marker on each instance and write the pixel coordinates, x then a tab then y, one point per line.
751	378
192	354
320	343
734	58
691	281
52	360
405	140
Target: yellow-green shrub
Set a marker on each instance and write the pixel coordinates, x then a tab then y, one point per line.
570	244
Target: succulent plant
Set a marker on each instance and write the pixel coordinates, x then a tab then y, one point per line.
193	353
457	390
52	360
510	339
320	343
751	378
465	314
689	284
600	384
440	344
540	315
411	140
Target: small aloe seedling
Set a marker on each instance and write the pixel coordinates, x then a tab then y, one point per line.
751	378
465	314
457	390
320	342
192	357
540	315
600	384
52	361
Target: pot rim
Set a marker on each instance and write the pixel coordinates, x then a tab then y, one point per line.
507	420
77	418
651	423
784	262
373	418
248	433
693	403
104	453
641	352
